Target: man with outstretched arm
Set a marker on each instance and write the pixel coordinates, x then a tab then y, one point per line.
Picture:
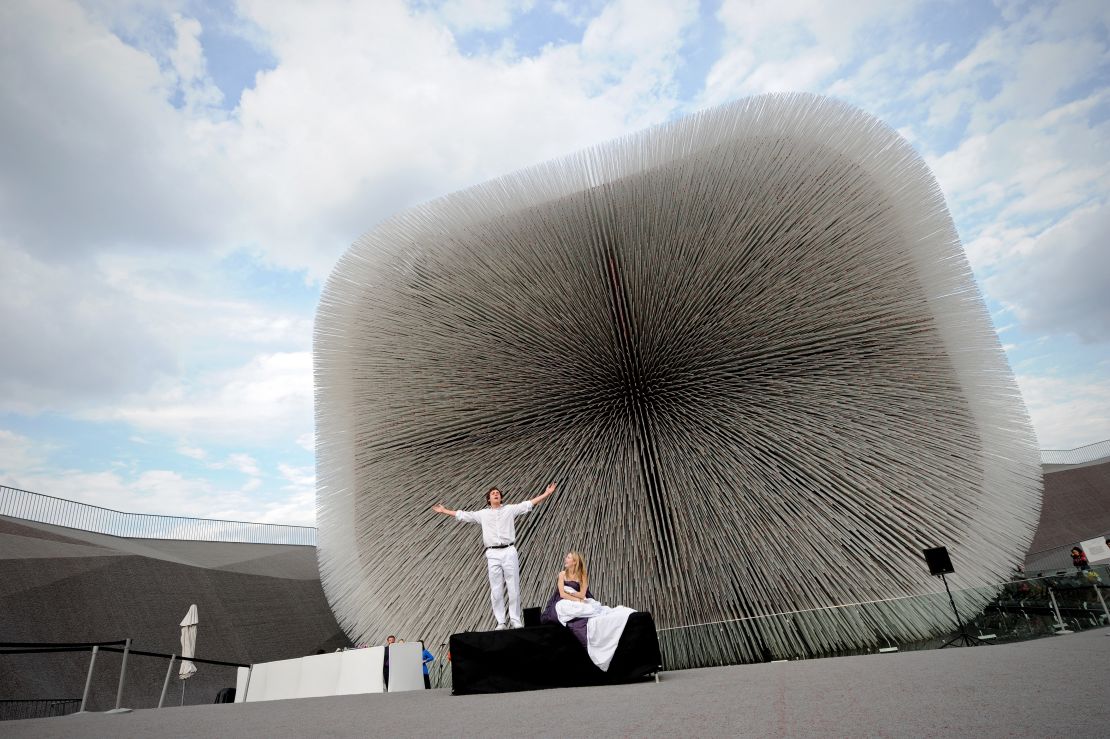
499	538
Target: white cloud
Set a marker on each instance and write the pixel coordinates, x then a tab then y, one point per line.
328	150
238	461
69	337
303	477
192	452
25	464
18	454
244	463
484	15
187	58
798	46
1068	412
1031	148
805	72
1061	282
1028	166
996	243
183	301
166	492
578	12
266	399
296	509
78	334
1027	181
95	154
319	150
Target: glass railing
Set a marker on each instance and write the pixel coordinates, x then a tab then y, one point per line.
30	506
1005	612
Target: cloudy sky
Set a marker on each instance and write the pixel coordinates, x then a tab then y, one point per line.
177	179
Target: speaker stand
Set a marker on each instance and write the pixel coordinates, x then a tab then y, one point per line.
963	637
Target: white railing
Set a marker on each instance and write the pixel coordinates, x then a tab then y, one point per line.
1079	455
30	506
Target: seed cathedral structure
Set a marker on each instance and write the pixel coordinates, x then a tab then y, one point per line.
748	346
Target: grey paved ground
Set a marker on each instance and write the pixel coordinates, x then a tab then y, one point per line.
1056	686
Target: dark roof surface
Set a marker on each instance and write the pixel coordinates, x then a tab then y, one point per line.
1076	506
257	602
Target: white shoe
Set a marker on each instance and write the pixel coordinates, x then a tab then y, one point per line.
516	625
501	627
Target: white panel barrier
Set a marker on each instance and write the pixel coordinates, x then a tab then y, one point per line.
283	679
361	671
340	673
319	675
242	677
406	671
1096	549
256	685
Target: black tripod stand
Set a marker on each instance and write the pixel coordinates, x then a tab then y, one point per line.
965	638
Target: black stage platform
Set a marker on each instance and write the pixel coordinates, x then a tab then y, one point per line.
548	656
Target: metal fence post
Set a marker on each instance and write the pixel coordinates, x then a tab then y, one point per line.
88	680
1102	601
166	682
1060	627
122	675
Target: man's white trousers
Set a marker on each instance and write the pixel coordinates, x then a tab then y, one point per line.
504	575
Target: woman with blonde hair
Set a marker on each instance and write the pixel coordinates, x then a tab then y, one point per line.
574	573
598	627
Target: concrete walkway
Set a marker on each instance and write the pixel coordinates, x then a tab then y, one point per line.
1057	686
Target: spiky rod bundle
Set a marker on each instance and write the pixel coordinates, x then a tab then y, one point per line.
748	346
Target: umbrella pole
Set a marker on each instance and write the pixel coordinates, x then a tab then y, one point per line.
166	682
182	692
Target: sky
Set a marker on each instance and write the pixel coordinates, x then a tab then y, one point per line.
178	179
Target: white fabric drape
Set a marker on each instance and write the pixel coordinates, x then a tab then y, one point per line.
603	630
188	643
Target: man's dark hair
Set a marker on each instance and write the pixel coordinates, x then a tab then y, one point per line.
490	492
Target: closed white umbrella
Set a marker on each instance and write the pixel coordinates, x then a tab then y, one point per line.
188	646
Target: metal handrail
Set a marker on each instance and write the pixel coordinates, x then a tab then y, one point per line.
1079	455
29	506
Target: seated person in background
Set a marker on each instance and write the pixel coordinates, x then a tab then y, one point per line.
597	626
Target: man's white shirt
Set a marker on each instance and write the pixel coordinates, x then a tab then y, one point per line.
498	525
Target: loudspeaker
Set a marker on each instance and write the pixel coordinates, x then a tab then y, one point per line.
939	561
532	616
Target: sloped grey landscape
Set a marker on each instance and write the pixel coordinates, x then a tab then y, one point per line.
257	602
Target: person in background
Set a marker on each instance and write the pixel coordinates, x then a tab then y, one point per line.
427	658
391	639
1079	559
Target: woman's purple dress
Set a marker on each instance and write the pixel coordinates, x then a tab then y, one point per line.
577	626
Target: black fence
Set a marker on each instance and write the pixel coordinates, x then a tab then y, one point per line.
15	710
24	708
